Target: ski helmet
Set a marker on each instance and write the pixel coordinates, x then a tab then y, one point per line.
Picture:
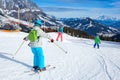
37	22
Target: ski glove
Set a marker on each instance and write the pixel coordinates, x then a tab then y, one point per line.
25	39
52	40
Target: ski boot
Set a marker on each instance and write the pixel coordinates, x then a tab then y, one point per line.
42	69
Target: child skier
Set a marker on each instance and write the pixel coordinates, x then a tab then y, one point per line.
36	45
60	31
97	41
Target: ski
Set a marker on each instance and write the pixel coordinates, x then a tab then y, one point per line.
29	71
32	70
48	67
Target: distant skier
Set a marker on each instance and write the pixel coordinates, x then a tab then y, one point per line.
35	37
97	41
60	32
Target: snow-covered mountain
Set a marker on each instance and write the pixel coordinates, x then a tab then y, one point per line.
83	62
90	26
109	21
114	24
103	17
26	10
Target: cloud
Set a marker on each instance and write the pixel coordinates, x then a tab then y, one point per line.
74	8
71	1
78	3
84	1
63	9
116	4
83	12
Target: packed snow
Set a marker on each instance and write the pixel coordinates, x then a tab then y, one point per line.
82	62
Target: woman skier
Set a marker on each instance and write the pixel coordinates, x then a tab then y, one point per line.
60	31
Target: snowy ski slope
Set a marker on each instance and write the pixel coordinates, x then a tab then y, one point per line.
82	62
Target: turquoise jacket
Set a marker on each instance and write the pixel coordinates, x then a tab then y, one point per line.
61	29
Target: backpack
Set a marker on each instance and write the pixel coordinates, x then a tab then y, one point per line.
33	35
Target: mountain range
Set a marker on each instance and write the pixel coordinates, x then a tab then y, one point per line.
109	21
91	26
24	10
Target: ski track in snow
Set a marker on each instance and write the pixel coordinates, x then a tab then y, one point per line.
83	62
106	61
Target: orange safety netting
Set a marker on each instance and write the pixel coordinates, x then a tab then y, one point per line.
10	30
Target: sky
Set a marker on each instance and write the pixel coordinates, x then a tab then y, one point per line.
80	8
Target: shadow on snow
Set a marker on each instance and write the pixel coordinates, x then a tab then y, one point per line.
4	56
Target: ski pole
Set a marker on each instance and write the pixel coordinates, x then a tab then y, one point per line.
60	48
18	49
